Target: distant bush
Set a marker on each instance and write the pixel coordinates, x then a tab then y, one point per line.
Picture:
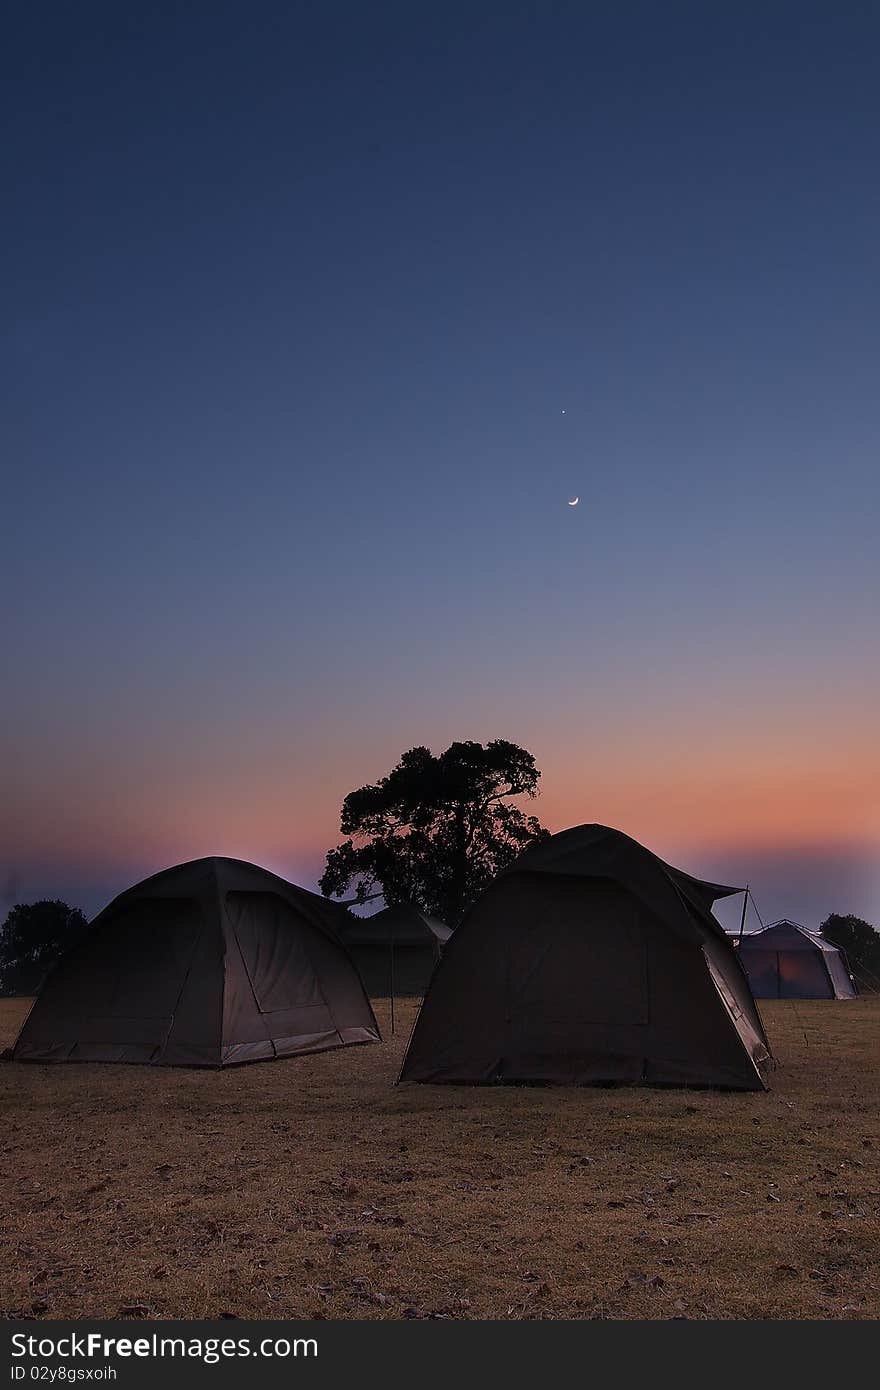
861	943
32	938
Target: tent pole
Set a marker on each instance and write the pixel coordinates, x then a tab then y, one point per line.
742	920
391	958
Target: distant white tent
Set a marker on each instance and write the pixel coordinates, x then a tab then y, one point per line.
785	961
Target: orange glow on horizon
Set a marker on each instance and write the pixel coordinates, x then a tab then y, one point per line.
757	794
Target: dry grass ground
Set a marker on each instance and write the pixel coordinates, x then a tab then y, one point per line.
312	1188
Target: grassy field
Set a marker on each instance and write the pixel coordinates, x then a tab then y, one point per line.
313	1188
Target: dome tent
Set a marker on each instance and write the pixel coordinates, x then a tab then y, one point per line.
396	949
588	961
785	961
207	964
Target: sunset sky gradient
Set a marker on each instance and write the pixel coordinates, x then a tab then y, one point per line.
296	299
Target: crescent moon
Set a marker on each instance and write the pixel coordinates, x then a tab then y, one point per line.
573	501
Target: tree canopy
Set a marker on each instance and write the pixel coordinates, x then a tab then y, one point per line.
861	943
32	938
436	829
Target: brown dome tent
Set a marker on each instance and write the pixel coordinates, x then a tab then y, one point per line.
588	961
396	949
785	961
207	964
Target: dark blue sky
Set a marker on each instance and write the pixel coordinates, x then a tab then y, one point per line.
295	298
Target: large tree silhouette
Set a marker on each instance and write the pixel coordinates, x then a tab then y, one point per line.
32	938
436	830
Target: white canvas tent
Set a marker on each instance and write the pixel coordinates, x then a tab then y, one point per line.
785	961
